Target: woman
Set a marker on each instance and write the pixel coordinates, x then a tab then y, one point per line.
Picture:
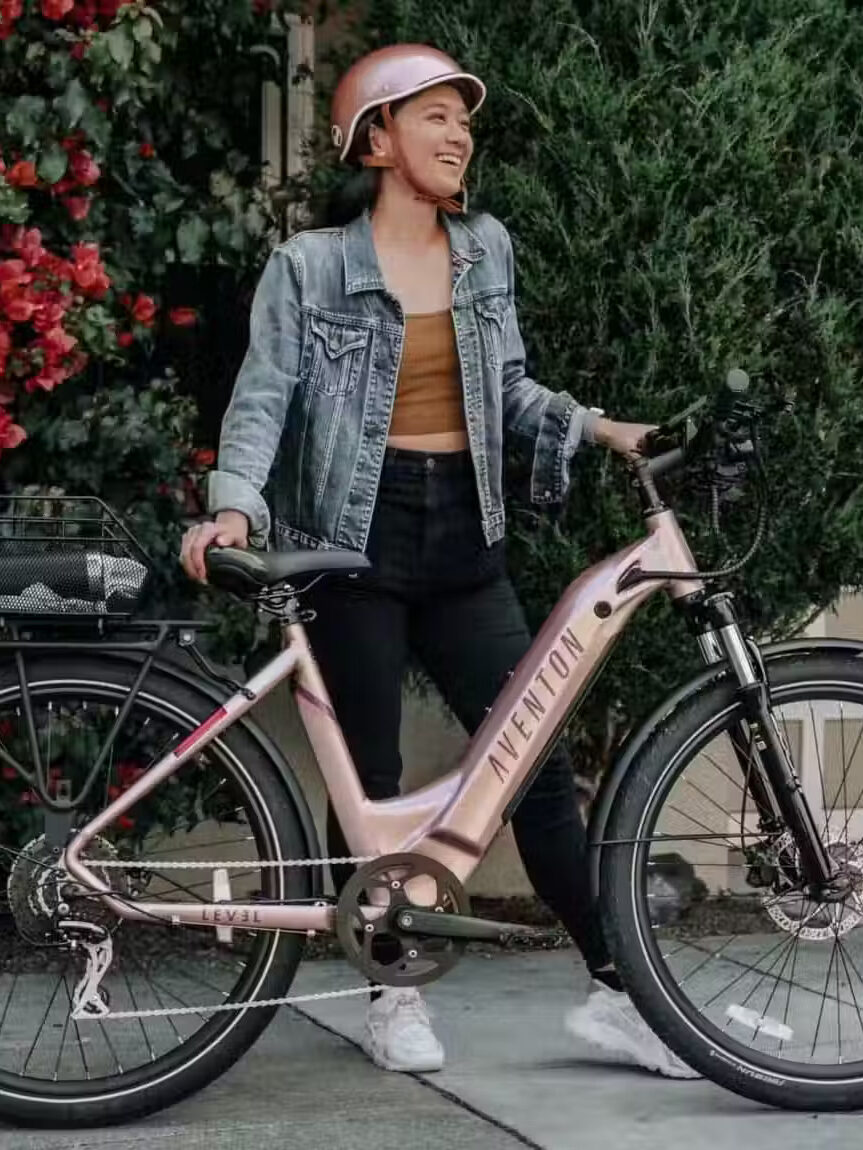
385	363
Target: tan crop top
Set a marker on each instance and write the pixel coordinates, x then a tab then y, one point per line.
428	391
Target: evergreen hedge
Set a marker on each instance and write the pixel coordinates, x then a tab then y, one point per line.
683	182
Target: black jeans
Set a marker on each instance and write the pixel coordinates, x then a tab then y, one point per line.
439	594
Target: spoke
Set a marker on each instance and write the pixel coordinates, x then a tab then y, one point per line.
824	994
44	1016
722	810
8	1000
734	782
850	810
77	1033
850	987
856	802
140	1020
828	810
721	838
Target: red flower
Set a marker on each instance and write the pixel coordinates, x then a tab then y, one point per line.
10	11
19	308
78	207
13	271
57	343
10	433
183	316
144	310
22	175
70	143
129	773
203	457
146	151
78	51
125	339
47	379
49	311
28	244
84	169
88	272
125	823
9	773
56	9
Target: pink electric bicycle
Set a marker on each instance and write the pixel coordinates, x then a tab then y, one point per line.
162	870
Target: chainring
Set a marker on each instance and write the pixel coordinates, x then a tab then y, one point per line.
379	948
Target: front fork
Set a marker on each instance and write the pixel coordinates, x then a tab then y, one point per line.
763	754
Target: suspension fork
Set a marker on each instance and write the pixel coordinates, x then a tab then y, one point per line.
770	774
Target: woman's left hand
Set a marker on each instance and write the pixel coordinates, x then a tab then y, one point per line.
624	438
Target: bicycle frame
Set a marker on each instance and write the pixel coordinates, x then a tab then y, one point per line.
454	819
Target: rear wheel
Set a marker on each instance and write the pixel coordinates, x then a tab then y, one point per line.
742	970
227	804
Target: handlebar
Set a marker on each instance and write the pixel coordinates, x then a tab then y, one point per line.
727	435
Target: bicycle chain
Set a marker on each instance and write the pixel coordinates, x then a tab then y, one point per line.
128	864
287	1000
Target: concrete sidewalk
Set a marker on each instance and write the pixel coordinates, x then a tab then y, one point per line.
513	1078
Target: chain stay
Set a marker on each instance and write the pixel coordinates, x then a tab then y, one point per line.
288	1000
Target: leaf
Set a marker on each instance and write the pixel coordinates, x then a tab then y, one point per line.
24	118
142	29
120	45
73	104
192	234
52	164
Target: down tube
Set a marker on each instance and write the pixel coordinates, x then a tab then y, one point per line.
532	708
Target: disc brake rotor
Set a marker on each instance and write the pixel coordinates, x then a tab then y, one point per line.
797	913
365	919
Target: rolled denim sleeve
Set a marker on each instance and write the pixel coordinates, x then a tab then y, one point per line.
552	423
253	423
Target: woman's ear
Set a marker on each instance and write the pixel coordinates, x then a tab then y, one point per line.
376	143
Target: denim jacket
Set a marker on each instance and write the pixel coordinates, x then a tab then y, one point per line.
315	391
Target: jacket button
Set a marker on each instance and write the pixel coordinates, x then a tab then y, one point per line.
548	495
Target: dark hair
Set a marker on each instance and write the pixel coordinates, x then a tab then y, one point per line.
350	197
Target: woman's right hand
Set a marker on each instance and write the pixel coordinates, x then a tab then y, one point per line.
229	529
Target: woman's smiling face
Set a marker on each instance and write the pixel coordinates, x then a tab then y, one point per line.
434	137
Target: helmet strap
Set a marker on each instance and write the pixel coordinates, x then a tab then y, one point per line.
397	161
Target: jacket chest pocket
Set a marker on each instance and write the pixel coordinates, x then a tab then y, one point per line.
491	316
333	356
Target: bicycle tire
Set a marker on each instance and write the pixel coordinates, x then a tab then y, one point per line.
226	1036
753	1074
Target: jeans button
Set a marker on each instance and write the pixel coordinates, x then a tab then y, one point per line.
430	464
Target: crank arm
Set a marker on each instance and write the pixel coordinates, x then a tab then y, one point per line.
459	926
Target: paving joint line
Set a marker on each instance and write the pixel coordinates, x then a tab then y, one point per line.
425	1080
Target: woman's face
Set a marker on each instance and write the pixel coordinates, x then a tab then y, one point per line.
434	136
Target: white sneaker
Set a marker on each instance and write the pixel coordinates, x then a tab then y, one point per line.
398	1033
609	1020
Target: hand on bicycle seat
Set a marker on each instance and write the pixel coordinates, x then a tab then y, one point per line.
228	529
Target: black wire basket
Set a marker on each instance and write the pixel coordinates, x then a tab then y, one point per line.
67	555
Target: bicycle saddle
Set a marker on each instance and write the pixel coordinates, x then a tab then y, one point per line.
245	572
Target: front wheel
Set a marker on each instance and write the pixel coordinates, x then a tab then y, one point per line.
749	976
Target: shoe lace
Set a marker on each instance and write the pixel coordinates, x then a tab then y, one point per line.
410	1007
